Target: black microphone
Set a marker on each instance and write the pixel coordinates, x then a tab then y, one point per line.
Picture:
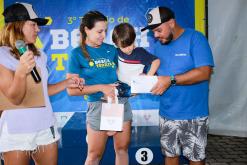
22	48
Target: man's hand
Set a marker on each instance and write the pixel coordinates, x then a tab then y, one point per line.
162	85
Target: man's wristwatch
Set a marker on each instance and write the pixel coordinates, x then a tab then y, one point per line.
173	80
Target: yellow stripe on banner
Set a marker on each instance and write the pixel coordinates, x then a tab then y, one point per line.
200	16
39	43
1	11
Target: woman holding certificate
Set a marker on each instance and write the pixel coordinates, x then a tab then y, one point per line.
26	133
96	62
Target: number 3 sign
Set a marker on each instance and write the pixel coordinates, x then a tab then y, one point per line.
144	156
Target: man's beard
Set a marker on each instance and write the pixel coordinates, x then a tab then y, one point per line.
168	39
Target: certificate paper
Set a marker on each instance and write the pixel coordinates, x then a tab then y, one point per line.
143	84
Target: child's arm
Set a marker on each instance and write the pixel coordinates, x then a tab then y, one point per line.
154	67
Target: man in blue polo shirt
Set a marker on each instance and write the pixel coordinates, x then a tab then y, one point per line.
184	73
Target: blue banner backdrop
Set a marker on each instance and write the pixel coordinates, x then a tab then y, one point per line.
62	34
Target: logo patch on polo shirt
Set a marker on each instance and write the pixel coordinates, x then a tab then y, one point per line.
181	54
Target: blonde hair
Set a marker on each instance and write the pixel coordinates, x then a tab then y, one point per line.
10	33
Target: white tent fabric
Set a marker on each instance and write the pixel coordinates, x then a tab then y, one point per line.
228	86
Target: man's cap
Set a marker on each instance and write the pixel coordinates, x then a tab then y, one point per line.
157	16
22	12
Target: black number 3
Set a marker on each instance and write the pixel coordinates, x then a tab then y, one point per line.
144	156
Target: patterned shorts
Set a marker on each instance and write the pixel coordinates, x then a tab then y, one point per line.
188	135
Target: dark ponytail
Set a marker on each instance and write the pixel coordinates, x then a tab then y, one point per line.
89	20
